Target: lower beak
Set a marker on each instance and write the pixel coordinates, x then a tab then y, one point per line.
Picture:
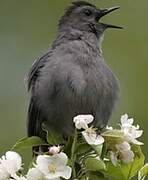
111	26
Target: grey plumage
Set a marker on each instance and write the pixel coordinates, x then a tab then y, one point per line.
72	78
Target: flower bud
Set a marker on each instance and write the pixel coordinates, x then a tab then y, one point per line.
54	150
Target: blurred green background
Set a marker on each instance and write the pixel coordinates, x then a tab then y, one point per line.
27	28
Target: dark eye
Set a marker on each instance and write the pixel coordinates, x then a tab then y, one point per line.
87	12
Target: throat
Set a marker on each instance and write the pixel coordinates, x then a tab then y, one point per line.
94	42
70	34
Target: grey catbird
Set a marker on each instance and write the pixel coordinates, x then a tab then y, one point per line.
72	78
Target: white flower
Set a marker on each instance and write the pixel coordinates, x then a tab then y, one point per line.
35	173
131	132
92	138
53	167
10	163
54	150
125	151
82	121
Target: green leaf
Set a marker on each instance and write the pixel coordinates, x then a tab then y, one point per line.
104	150
28	142
93	164
98	149
53	138
68	146
143	172
32	162
83	148
114	172
96	176
115	133
113	136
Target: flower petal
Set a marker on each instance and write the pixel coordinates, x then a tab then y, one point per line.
88	118
93	138
16	177
81	121
130	121
60	160
55	176
125	121
10	155
34	173
48	177
124	118
127	156
81	124
135	141
113	158
43	162
66	173
137	133
125	146
3	173
11	162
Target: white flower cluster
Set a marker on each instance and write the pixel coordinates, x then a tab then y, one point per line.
130	133
46	167
54	166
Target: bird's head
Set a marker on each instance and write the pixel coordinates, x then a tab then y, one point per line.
84	16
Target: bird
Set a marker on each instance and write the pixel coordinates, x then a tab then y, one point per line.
73	78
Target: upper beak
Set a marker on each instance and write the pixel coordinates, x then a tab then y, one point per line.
103	12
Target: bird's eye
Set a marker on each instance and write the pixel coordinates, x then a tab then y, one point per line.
87	12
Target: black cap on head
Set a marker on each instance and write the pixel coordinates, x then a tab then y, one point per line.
82	3
77	4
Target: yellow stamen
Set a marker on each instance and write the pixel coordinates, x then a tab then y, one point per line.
91	130
52	168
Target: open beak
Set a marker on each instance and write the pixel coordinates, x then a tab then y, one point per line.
103	12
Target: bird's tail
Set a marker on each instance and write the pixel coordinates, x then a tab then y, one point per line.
34	128
32	120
